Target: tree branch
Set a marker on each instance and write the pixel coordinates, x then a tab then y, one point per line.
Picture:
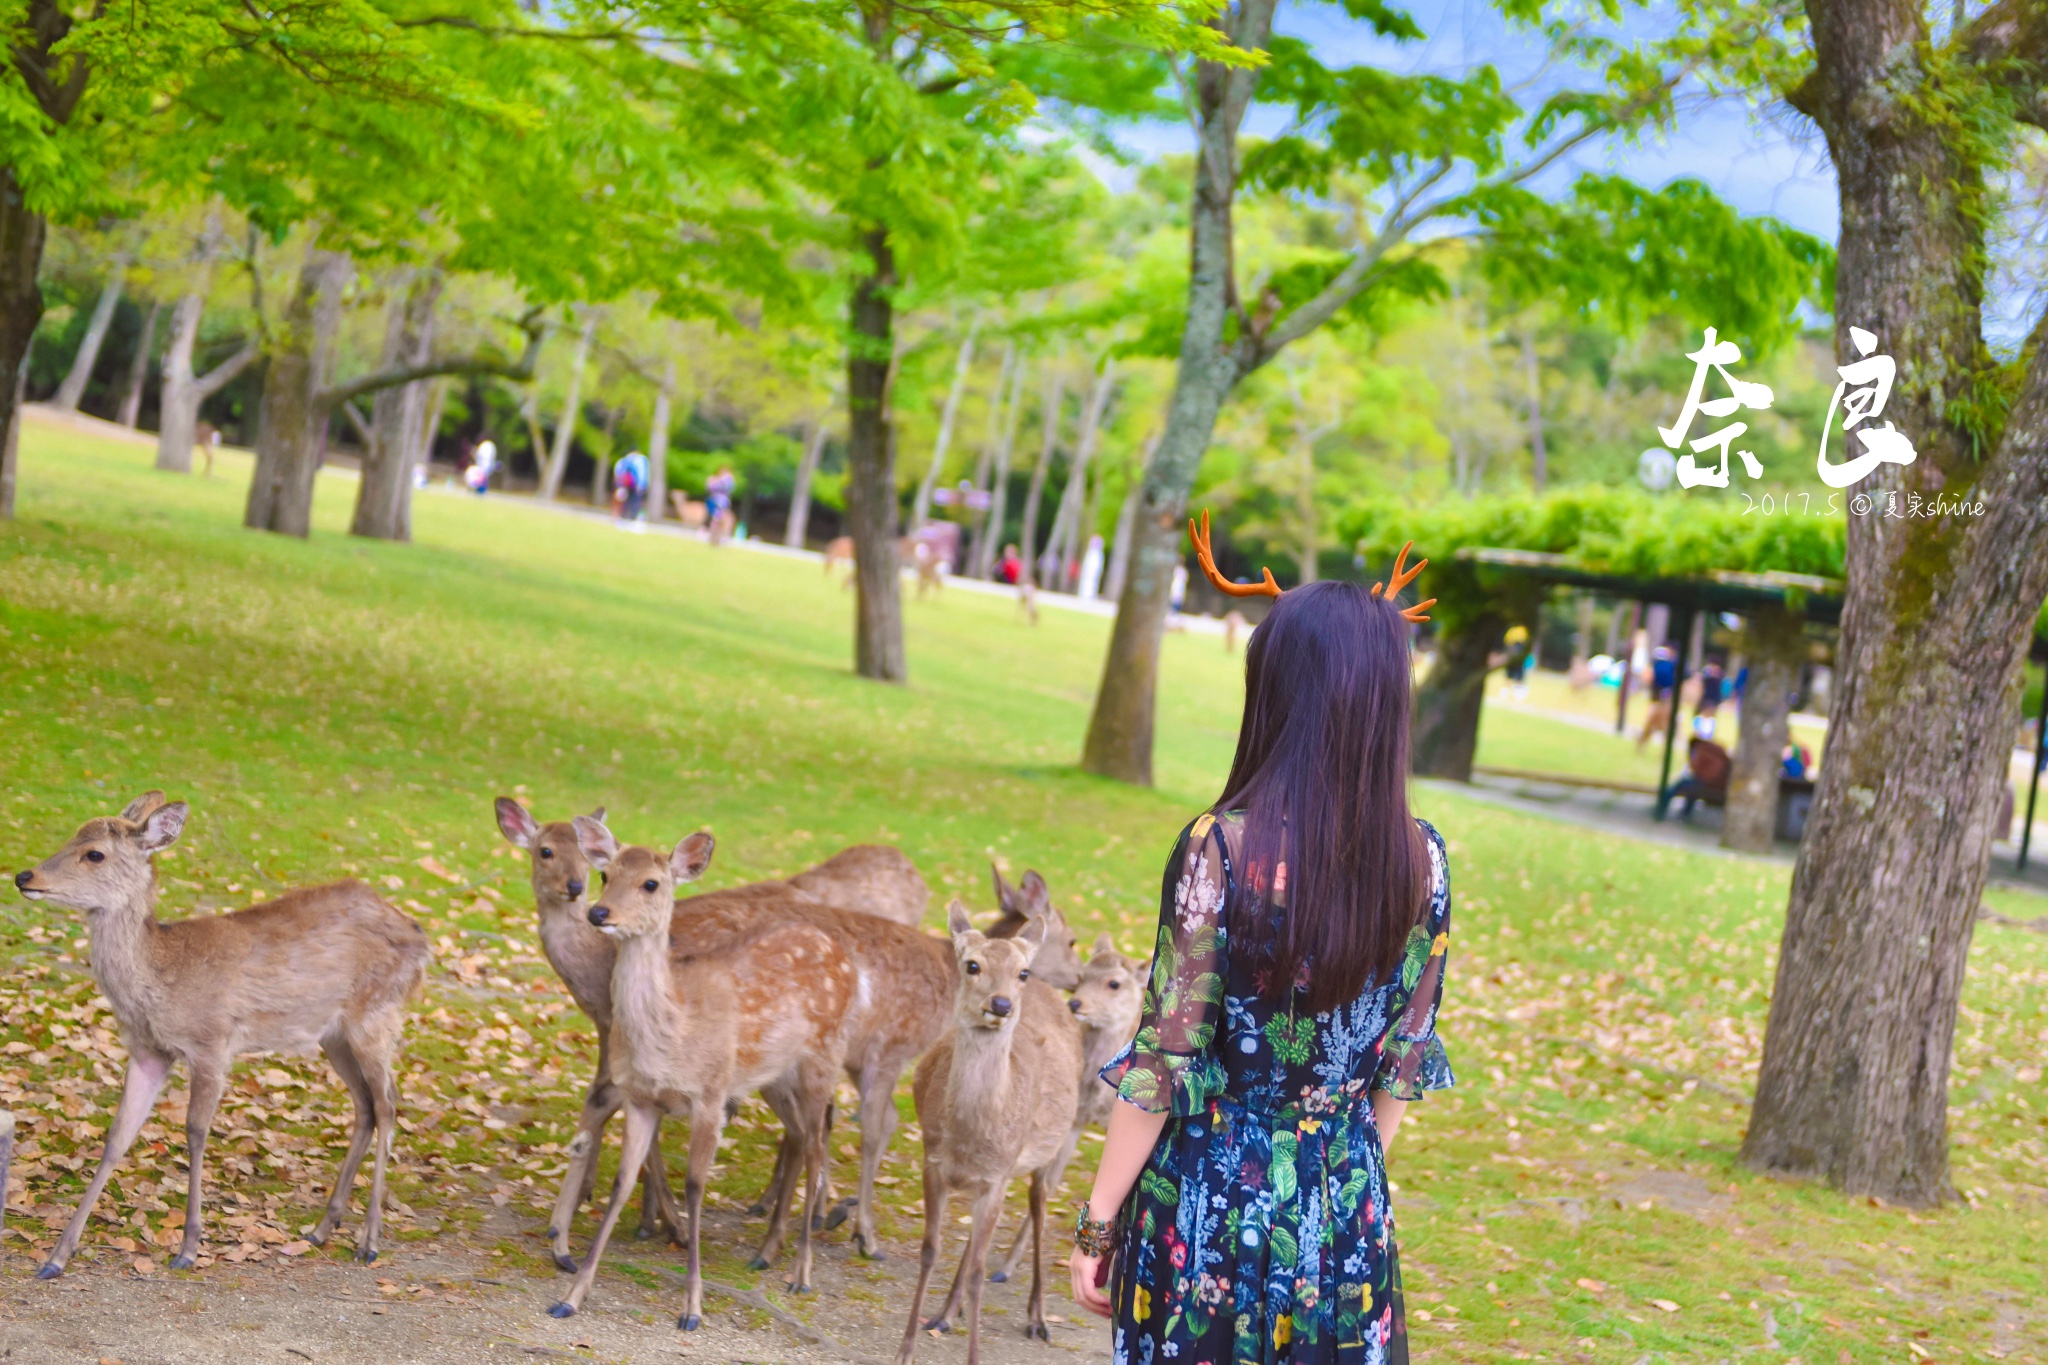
356	420
519	371
223	374
509	31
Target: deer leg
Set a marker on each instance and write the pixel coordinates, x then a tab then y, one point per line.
599	1104
1054	1172
772	1194
1034	1325
146	1075
942	1321
658	1205
878	1120
706	1119
342	1058
974	1266
815	1099
927	1256
795	1141
640	1126
383	1087
209	1079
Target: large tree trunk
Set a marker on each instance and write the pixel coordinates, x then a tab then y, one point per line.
1444	734
183	391
1774	645
397	414
80	374
1119	740
657	445
800	495
138	369
21	309
1035	493
565	429
291	424
963	365
871	469
1854	1085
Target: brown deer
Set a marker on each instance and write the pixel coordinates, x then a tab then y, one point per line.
764	1011
1058	964
328	966
995	1098
1108	1002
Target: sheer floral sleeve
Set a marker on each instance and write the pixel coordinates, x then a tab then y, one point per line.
1413	1061
1172	1066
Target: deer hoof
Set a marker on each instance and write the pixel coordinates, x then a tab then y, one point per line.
181	1262
562	1310
758	1263
566	1263
839	1212
938	1325
998	1277
49	1270
689	1322
1038	1331
644	1232
799	1289
318	1236
366	1255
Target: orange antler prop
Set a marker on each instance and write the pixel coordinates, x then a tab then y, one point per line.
1401	579
1208	561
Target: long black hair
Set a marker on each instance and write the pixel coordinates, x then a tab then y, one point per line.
1321	773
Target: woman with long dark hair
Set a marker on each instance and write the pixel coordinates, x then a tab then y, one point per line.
1290	1020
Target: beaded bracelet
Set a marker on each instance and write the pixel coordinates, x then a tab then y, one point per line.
1093	1236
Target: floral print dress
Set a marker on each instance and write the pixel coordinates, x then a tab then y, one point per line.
1259	1230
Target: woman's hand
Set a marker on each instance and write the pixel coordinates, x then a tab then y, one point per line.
1083	1267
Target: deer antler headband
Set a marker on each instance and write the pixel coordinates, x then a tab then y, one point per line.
1401	579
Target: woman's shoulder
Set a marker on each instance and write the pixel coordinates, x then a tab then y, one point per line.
1439	869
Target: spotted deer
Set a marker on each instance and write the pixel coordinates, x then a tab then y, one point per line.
327	966
1108	1002
995	1098
1058	964
764	1011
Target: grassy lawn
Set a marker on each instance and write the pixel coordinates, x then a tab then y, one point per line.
336	707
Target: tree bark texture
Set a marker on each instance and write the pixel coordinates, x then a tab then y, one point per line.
657	443
800	494
183	390
1444	734
138	369
1049	444
1774	646
80	374
291	424
1119	742
1855	1074
10	440
21	308
871	468
397	414
963	365
565	429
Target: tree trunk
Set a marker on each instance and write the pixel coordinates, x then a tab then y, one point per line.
291	426
991	438
1048	447
138	369
182	391
999	477
80	374
1126	528
1775	645
871	469
1119	743
1444	735
657	445
800	495
1539	453
565	429
21	308
1854	1084
601	460
397	414
920	511
1064	547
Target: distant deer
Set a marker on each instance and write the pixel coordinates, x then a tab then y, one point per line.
873	879
1058	964
330	966
206	438
766	1012
1108	1002
995	1098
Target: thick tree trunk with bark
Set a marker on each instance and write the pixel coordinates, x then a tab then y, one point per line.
871	468
10	439
138	369
21	308
800	495
1774	645
291	425
397	415
80	374
1855	1075
565	429
1444	734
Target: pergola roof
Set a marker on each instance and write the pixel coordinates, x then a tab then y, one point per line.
1820	599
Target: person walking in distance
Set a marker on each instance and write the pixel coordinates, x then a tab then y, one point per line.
629	492
718	491
483	461
1241	1210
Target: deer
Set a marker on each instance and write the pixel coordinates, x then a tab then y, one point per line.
326	966
764	1010
1058	964
1108	1002
871	882
995	1099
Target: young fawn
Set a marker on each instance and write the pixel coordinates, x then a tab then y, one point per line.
330	966
766	1012
996	1099
1108	1002
1058	964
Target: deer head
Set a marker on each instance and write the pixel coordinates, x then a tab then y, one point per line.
1111	994
1058	963
639	884
561	874
108	864
992	970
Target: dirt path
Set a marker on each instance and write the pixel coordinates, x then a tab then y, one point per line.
434	1303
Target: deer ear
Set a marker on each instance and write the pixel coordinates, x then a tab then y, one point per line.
163	826
596	841
1105	946
691	857
516	823
959	920
1003	891
1037	897
598	815
143	806
1032	935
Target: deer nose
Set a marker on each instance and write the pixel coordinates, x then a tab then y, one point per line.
1000	1007
24	877
599	914
1074	1005
575	887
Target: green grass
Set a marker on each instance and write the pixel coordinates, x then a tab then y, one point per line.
334	707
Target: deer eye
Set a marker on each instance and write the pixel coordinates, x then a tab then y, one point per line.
1116	985
546	852
974	969
604	879
650	885
95	856
1024	975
